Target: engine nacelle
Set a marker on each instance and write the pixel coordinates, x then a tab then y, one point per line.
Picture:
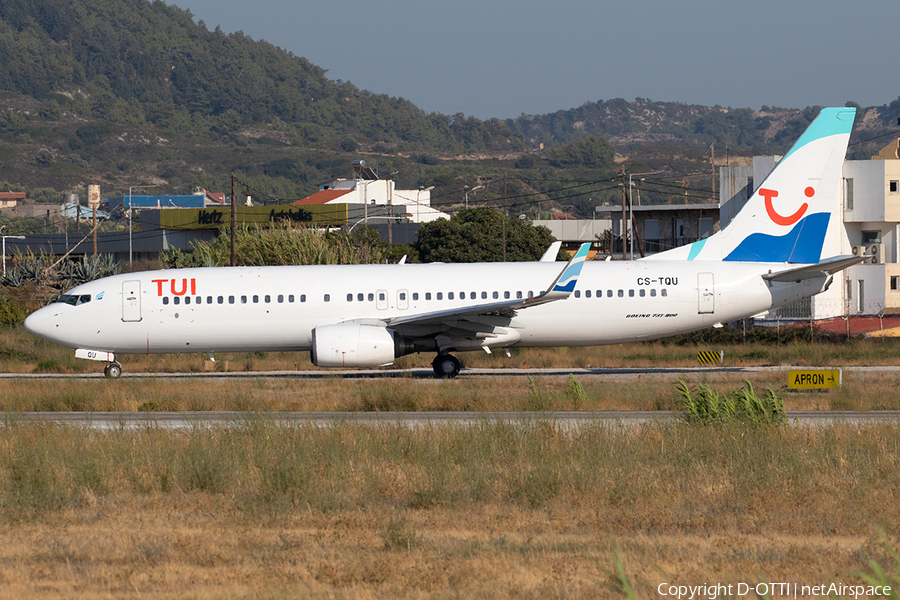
352	345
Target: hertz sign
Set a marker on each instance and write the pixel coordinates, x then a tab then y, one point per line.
214	218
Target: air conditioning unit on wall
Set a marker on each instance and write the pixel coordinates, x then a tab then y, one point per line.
875	251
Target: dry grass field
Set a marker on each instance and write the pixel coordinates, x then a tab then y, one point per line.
492	511
495	511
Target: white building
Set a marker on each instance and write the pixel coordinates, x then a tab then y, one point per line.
378	193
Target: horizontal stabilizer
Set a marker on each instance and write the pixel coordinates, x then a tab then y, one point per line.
828	266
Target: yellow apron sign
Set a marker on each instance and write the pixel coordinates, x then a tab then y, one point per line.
812	379
217	217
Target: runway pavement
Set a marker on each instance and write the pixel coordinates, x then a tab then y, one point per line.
611	374
563	419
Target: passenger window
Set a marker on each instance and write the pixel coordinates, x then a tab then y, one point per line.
577	294
643	293
349	297
663	293
230	299
220	300
428	295
381	296
268	298
402	295
484	295
371	297
360	297
440	296
327	297
302	298
165	299
280	298
506	295
255	299
496	295
652	293
243	299
518	295
473	295
530	294
609	293
587	293
599	293
449	295
415	296
176	300
209	300
621	293
631	293
187	299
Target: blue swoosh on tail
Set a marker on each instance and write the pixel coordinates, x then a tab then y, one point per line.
803	244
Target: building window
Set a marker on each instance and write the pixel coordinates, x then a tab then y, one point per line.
848	194
894	186
706	227
895	283
871	237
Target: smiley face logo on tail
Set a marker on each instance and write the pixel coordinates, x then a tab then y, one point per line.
778	219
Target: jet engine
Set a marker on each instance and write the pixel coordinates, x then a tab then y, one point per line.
353	345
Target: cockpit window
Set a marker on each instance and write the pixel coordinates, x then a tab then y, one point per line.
74	299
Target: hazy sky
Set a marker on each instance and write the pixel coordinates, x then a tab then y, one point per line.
502	58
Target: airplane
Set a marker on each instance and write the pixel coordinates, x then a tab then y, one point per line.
368	315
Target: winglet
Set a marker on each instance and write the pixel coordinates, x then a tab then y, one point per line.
552	251
566	280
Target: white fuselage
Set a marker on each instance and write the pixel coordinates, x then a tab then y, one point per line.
277	308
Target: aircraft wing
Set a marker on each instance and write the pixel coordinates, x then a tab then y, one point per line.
560	289
829	266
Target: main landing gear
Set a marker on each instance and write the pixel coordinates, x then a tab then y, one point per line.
113	370
446	365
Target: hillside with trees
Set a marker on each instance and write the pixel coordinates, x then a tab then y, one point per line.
137	93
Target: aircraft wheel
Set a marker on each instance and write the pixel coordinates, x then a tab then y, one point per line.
446	365
113	371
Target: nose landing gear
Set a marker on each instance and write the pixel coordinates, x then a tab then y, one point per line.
446	365
113	370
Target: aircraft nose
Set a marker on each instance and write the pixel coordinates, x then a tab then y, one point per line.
38	323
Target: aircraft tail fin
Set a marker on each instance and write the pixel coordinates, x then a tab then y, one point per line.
787	218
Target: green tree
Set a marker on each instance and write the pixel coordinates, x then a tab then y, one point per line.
476	235
593	151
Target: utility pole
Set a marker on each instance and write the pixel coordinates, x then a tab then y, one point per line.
624	212
233	223
712	162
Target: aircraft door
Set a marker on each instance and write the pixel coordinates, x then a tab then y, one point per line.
131	301
706	293
402	299
381	300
